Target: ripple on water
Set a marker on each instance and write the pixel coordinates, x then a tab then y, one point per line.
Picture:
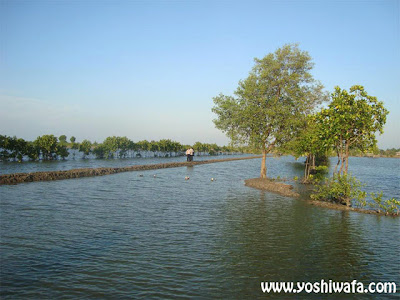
167	237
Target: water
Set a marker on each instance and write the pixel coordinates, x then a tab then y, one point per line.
125	236
61	165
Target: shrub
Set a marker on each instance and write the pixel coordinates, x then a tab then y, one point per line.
391	206
340	189
345	188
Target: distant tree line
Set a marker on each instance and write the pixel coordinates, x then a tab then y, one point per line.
46	147
389	152
49	147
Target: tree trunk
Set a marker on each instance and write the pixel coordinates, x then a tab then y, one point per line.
313	162
338	162
263	173
342	158
306	169
347	157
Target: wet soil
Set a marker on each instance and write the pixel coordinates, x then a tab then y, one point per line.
337	206
287	190
272	186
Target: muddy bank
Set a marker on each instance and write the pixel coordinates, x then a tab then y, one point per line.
336	206
78	173
272	186
287	190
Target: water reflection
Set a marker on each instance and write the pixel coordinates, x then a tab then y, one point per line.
143	237
281	239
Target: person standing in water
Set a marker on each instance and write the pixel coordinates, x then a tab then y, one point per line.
188	155
191	152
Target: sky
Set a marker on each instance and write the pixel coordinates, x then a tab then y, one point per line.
149	69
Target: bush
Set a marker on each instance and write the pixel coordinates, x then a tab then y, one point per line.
99	151
391	206
318	174
345	188
340	189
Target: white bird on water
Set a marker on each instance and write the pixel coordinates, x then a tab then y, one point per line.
187	178
212	179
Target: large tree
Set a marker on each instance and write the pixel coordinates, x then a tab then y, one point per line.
350	122
271	103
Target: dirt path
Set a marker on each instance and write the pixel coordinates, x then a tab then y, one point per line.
16	178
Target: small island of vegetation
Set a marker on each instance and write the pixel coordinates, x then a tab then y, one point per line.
278	107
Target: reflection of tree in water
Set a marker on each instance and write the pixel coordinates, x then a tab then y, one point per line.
340	250
273	238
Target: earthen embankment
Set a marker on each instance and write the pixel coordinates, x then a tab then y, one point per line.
16	178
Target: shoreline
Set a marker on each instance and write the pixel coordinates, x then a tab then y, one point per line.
287	190
16	178
335	206
272	186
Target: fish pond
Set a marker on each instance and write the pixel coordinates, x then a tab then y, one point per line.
155	235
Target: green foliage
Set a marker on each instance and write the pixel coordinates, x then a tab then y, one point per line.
143	145
49	148
12	148
33	152
165	145
322	160
47	144
123	145
389	152
271	103
391	206
319	173
307	141
340	189
75	146
211	148
154	146
110	146
345	188
85	147
198	147
62	151
63	139
99	151
350	122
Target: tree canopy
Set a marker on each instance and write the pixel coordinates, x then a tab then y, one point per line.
350	122
271	103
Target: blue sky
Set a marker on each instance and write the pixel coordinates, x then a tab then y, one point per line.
149	69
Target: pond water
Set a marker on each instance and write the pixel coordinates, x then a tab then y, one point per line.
158	237
68	164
